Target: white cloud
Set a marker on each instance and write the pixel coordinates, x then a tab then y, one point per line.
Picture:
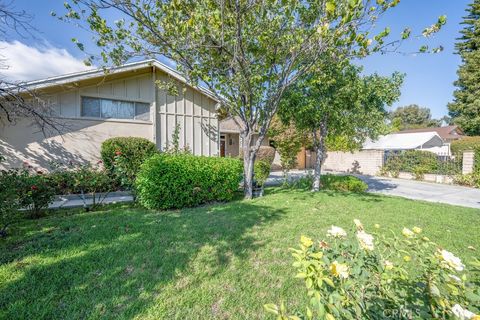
31	63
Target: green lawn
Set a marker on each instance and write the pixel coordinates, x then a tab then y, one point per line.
214	262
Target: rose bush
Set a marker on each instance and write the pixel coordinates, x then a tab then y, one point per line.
376	275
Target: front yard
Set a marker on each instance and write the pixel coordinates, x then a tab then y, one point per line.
214	262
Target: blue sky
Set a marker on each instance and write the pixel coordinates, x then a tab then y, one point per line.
429	78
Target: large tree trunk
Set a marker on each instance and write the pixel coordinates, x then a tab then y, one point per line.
249	154
319	137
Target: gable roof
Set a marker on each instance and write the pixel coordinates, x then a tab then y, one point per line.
228	125
447	132
397	141
96	73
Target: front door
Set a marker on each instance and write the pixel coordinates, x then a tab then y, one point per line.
222	146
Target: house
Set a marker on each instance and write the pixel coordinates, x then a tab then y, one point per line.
93	106
230	140
427	141
447	133
231	144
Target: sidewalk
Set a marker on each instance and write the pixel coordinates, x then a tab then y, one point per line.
76	201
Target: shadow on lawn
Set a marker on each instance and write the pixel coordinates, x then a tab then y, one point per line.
114	264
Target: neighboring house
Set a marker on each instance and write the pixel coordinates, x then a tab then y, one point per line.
231	144
447	133
94	106
427	141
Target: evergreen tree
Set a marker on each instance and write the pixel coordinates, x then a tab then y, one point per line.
465	109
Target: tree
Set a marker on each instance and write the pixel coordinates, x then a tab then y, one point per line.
288	142
246	52
339	107
465	108
412	117
17	100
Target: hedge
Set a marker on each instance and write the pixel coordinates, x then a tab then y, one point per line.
421	162
175	181
468	143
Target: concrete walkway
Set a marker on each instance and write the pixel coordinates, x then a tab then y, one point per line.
76	201
411	189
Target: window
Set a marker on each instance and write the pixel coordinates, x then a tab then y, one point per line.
114	109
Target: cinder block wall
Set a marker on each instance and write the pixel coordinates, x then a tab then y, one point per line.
364	162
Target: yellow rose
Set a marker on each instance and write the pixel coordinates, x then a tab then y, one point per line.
407	233
339	270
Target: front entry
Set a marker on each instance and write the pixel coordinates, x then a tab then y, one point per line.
222	146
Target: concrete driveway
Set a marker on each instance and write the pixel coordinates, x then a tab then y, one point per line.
419	190
411	189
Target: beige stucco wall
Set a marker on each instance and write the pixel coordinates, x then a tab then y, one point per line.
233	149
364	162
81	138
80	141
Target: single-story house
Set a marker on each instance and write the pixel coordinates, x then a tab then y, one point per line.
447	133
94	106
427	141
231	144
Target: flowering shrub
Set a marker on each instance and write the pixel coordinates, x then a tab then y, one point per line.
9	199
123	157
362	275
35	192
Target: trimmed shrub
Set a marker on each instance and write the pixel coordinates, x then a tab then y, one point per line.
176	181
123	156
262	171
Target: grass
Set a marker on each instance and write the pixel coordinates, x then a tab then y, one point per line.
215	262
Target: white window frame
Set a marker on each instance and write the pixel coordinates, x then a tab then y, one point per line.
119	100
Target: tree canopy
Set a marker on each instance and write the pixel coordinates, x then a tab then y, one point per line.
248	53
465	108
339	107
412	117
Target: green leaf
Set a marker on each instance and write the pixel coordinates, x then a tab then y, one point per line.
330	7
271	308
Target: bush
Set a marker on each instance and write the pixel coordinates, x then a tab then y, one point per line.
176	181
331	182
262	171
468	180
35	191
266	153
358	275
408	160
343	183
9	199
468	143
69	181
123	156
